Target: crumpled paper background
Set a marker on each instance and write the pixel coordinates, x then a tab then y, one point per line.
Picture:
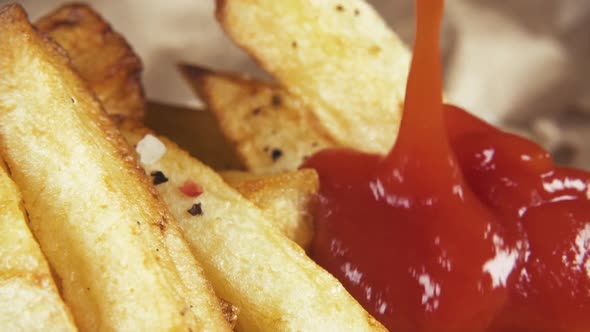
520	64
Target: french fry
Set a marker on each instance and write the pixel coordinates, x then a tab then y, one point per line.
104	59
338	56
29	300
101	56
249	262
120	258
196	131
288	199
271	130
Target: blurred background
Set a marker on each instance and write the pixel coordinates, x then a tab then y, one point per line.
524	64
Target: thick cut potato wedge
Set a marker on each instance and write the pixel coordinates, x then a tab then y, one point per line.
29	300
338	56
271	130
101	56
196	131
287	199
248	260
122	263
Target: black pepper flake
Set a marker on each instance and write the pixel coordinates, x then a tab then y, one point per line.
294	44
256	111
159	177
357	12
162	226
266	148
195	210
276	154
138	223
339	8
73	100
314	144
276	100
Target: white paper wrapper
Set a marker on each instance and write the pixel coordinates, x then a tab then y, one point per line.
521	64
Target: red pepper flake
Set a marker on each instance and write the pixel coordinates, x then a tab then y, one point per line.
195	210
191	189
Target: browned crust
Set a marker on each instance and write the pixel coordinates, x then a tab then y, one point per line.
230	313
198	78
118	85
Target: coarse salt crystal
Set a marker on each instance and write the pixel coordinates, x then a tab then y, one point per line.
150	149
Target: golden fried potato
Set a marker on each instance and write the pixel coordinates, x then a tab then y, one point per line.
248	260
287	199
196	131
29	300
271	130
120	258
101	56
338	56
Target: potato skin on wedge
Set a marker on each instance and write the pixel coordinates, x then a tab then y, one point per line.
248	260
29	299
120	258
101	56
271	130
338	56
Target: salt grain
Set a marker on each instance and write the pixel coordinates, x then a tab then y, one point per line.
150	149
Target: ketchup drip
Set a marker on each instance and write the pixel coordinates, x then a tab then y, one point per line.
461	226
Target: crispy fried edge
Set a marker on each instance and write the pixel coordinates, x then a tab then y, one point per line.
45	300
16	18
252	149
123	76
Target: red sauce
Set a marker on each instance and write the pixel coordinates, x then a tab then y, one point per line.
461	226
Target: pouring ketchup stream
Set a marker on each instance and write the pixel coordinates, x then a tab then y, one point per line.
461	227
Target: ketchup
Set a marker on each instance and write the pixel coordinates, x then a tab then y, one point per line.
461	227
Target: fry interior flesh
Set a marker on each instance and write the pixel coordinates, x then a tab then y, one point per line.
287	199
248	260
29	300
120	258
101	56
338	56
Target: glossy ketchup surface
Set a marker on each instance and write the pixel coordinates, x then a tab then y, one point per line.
461	227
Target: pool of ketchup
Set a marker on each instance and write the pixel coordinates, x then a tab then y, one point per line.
461	227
